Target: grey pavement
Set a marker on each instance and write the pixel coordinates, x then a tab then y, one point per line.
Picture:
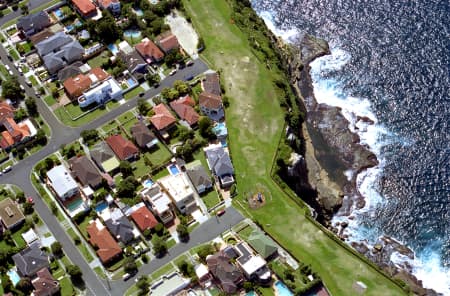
32	4
61	135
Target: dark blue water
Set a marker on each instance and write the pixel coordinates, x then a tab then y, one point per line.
390	60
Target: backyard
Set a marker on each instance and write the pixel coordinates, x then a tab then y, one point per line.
254	112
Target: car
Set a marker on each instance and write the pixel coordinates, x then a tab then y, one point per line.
220	213
21	87
126	276
141	94
7	169
7	67
173	72
189	63
28	82
30	200
10	72
189	77
20	70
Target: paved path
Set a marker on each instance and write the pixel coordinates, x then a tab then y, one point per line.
61	134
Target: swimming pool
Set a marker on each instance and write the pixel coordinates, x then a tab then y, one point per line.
282	290
69	28
132	34
147	183
131	82
13	276
113	48
58	13
173	169
220	130
101	206
251	293
74	205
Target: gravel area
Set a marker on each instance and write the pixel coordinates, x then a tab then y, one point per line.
187	37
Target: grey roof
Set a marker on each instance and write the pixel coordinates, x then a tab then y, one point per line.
53	43
219	162
85	171
36	22
199	176
211	84
142	134
69	71
121	228
101	152
134	61
30	260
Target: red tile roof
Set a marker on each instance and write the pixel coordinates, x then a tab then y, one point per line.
75	86
6	111
86	7
106	3
162	118
144	219
168	43
108	248
209	100
14	132
148	49
185	111
122	147
45	283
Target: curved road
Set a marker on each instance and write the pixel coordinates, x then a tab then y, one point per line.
61	134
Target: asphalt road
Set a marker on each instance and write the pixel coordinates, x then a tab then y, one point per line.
32	4
61	134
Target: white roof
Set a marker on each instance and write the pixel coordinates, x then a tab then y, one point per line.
110	83
253	264
88	191
30	236
178	186
161	203
125	47
201	270
62	181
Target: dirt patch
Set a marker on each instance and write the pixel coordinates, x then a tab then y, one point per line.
186	35
258	197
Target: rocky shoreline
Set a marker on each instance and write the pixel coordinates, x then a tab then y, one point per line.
330	149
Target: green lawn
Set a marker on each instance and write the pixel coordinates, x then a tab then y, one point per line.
65	118
66	286
134	92
140	168
160	155
255	111
99	60
99	271
33	80
162	271
112	125
125	117
211	199
3	70
50	100
14	54
17	237
200	155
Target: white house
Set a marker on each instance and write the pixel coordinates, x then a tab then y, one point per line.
104	92
159	202
180	191
62	182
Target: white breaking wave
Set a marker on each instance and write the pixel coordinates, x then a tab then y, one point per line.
427	265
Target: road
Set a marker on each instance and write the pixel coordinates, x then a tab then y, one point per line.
61	135
14	14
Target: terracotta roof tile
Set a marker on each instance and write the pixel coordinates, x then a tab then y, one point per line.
122	147
162	118
168	43
185	111
108	248
209	100
148	49
144	219
86	7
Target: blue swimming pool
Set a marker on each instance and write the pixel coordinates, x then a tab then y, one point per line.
131	82
69	28
147	183
282	290
173	169
13	276
113	48
59	14
74	205
101	206
220	130
132	34
251	293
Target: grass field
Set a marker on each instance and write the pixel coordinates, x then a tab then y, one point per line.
255	123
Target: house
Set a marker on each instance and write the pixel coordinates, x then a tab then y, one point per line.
85	171
159	202
30	260
149	51
262	244
211	105
33	23
10	214
203	275
180	191
228	275
111	5
69	71
143	218
119	226
85	8
45	284
135	63
62	182
183	108
253	266
219	163
123	148
104	158
14	133
168	43
143	137
75	86
59	50
30	237
199	178
101	94
211	83
163	120
106	247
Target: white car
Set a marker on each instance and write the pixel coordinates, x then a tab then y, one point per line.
7	67
173	72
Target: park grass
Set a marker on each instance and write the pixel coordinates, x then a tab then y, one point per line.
255	124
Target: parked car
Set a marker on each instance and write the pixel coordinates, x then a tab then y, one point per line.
189	63
126	276
30	200
189	77
220	213
7	169
7	67
141	94
173	72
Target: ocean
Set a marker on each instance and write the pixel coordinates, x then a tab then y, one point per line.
389	62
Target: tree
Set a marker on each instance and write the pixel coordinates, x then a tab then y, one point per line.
142	284
159	229
127	187
159	246
169	94
248	286
153	79
172	57
30	103
226	101
181	86
77	240
186	268
27	208
20	196
205	128
89	136
130	265
183	232
143	106
204	251
147	233
56	248
107	29
41	138
185	133
125	168
53	207
75	272
24	8
11	89
25	286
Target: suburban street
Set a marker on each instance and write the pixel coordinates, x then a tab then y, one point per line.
32	4
61	135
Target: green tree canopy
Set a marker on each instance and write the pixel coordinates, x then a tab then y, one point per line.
11	89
